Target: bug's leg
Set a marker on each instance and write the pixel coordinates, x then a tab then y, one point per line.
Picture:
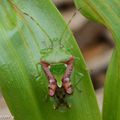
66	78
78	81
75	86
78	59
51	79
80	75
55	104
55	107
39	73
67	105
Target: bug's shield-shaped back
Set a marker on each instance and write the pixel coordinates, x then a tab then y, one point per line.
58	71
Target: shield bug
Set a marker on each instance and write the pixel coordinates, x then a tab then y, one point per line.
57	55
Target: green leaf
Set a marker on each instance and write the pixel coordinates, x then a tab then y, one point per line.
107	13
21	44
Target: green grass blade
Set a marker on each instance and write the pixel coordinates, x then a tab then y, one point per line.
107	13
21	42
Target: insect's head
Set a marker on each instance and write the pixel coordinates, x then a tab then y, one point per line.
56	43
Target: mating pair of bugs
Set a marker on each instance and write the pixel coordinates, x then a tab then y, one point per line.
57	55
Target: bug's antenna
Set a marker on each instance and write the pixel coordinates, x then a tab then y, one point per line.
39	26
68	24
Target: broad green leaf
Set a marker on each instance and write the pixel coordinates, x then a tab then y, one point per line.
21	44
107	13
